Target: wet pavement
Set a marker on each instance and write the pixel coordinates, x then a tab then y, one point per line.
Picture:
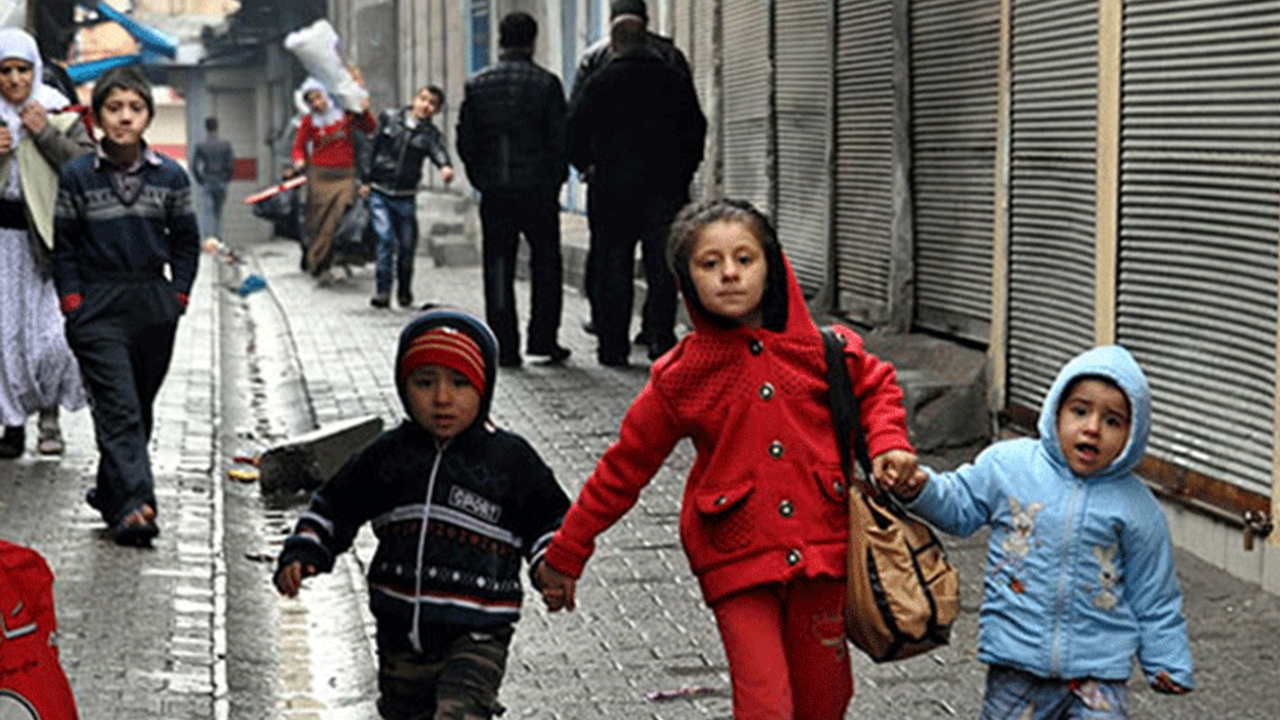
192	628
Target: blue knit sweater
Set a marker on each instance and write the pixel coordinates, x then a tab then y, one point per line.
100	236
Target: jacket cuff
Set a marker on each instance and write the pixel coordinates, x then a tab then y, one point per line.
307	549
563	560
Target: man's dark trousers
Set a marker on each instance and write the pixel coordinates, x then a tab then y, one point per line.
504	216
122	336
620	217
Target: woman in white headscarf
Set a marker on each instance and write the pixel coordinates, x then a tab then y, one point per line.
324	148
38	373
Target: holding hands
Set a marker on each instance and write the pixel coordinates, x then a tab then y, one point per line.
897	472
558	589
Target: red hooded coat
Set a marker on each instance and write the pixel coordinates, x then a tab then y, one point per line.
765	500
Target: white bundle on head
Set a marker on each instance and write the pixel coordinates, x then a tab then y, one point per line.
319	49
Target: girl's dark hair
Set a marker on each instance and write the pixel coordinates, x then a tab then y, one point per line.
684	236
127	77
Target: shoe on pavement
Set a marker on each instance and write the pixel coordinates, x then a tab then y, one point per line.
137	529
51	444
588	327
555	354
405	299
13	442
380	301
614	362
658	349
509	361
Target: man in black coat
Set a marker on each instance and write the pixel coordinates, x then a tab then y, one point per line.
637	132
596	56
511	137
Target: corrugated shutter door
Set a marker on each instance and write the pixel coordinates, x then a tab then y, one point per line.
1052	191
703	63
1199	224
955	58
746	101
864	156
803	48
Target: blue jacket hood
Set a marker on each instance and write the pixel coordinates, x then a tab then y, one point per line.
1118	365
475	328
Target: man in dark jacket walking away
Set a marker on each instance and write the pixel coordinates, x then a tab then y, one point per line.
405	138
511	139
637	132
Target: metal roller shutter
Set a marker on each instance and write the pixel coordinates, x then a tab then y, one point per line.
1199	203
1052	191
746	101
955	54
864	157
803	46
702	61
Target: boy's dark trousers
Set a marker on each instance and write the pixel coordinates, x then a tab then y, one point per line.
122	336
460	677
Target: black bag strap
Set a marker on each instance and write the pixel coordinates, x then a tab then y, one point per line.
846	414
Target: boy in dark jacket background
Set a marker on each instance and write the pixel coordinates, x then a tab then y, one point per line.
455	503
404	140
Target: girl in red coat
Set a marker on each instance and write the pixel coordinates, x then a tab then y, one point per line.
764	522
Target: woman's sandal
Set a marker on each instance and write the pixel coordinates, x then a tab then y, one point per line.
49	440
137	528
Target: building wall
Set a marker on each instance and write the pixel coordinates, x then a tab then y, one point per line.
1039	138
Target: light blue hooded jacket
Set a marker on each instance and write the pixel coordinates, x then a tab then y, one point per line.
1080	574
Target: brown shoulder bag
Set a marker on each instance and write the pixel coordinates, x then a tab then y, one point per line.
903	594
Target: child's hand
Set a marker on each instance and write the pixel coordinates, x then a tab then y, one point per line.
893	468
558	589
897	472
1165	684
289	578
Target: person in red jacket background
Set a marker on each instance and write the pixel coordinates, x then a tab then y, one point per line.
764	521
323	148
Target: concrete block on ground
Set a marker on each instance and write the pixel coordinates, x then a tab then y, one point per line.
944	388
452	228
307	461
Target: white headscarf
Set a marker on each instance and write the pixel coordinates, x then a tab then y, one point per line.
16	43
330	116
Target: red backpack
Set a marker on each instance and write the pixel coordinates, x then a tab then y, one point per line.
32	683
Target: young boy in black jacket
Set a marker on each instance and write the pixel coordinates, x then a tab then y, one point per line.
405	138
455	502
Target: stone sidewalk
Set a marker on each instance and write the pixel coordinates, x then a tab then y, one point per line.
192	630
641	625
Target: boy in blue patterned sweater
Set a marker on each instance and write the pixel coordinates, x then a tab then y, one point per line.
125	253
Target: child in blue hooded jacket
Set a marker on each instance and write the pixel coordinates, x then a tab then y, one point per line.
1080	576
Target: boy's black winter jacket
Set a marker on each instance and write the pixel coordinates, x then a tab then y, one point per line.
492	503
395	167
